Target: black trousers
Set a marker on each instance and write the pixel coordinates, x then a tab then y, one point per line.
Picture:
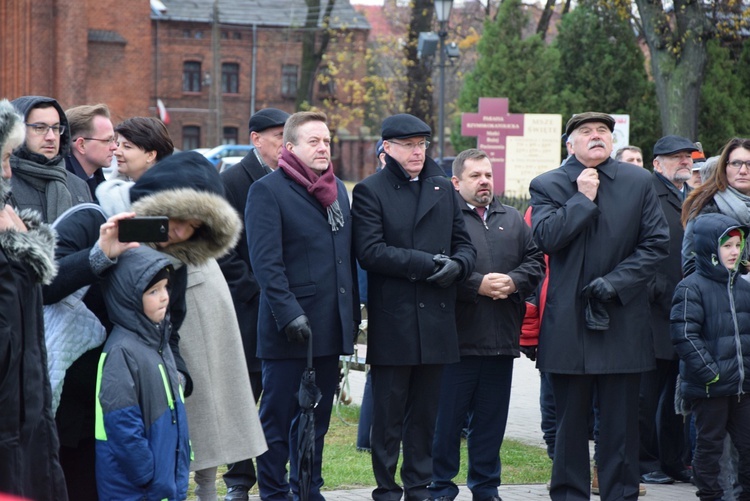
661	429
617	395
405	409
714	418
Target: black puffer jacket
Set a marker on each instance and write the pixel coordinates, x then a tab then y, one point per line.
710	319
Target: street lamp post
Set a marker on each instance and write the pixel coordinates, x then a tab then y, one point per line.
443	13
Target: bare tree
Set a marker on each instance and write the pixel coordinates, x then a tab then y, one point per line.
315	39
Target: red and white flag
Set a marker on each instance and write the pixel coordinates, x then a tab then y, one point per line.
163	113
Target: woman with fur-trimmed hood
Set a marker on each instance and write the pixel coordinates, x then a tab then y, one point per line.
29	462
203	226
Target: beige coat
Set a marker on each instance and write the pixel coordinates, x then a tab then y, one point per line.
223	420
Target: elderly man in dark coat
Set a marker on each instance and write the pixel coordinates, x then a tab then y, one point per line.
300	251
266	134
661	433
601	224
410	237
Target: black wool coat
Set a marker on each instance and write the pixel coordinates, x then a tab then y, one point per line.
669	272
236	264
396	235
622	236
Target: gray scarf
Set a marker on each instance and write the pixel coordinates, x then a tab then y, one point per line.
50	179
734	204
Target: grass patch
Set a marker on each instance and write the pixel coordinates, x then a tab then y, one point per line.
346	468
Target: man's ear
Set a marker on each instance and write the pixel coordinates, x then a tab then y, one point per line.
79	145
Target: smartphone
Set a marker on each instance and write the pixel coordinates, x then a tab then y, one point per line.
144	229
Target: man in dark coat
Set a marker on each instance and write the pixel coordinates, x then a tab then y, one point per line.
490	309
601	224
266	134
300	251
93	143
410	237
661	434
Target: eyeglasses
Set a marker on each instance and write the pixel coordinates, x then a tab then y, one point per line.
43	129
110	140
422	145
738	164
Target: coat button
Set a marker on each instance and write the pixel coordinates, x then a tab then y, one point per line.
342	290
340	261
442	305
413	277
421	305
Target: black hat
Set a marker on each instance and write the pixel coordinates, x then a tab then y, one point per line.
673	144
160	275
186	169
267	118
589	116
403	126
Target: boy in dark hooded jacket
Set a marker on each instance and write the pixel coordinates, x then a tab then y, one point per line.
142	447
710	329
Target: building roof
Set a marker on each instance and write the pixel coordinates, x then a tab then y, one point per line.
285	13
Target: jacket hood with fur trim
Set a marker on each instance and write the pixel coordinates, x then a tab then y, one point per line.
220	224
8	120
35	247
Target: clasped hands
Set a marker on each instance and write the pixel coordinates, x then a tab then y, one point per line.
497	286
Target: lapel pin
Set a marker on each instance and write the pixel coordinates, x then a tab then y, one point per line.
437	188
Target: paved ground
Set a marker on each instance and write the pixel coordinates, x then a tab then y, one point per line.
523	425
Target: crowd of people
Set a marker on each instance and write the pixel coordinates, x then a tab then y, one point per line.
158	351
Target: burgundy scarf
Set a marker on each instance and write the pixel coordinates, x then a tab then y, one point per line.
322	187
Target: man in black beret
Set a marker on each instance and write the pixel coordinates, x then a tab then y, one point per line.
410	237
266	134
660	427
600	223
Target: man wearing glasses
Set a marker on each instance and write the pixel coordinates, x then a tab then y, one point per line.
410	237
40	181
94	143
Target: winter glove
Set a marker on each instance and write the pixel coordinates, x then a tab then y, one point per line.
601	290
529	351
446	271
298	330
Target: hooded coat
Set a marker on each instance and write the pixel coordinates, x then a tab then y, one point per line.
181	186
25	195
710	319
29	447
142	444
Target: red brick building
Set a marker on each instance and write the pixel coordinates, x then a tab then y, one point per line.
210	76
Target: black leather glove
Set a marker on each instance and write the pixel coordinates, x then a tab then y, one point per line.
298	330
447	271
529	351
601	290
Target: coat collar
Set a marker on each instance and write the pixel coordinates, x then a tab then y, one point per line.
574	168
252	166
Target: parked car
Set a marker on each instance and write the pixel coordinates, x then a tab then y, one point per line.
228	162
215	155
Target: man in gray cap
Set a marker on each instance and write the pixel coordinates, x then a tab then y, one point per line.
266	134
600	223
660	427
410	237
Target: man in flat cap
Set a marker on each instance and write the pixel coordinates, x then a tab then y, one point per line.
266	134
660	427
409	236
600	223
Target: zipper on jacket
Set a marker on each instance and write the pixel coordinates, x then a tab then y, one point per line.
738	346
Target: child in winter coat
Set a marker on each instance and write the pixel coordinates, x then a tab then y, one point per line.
710	329
142	447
